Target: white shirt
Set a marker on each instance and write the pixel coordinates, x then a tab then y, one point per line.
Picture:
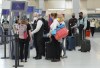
92	24
39	25
54	24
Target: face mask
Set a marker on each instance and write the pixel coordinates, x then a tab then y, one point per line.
73	16
35	18
80	16
59	19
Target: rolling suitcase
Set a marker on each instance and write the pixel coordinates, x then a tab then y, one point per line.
86	44
48	51
71	43
77	40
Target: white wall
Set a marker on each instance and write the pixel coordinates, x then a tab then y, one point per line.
55	4
92	4
6	5
33	3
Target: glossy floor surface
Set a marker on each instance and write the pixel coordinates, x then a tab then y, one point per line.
75	59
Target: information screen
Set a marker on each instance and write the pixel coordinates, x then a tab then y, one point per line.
18	6
5	12
30	9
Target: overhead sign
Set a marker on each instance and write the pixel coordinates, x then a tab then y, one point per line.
37	10
5	12
30	9
18	5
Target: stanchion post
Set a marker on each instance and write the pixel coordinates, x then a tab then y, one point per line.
5	48
16	53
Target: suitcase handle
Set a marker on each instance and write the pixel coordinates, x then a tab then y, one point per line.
83	32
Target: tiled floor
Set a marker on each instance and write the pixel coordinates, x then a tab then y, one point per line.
75	59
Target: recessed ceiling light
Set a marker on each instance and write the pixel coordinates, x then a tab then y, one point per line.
97	8
56	9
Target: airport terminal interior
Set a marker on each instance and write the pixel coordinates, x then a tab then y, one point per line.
40	35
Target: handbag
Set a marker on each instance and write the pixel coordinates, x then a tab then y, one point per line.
87	33
58	28
61	33
25	35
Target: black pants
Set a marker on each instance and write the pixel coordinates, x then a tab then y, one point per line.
38	46
92	31
56	48
81	33
24	45
71	31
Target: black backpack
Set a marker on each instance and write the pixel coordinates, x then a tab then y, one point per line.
88	24
46	27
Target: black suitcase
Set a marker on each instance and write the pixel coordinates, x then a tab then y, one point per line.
86	44
77	40
48	50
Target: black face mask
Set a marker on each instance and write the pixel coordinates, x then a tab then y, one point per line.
80	16
73	16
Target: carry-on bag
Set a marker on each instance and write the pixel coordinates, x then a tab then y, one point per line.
87	33
48	50
86	44
70	43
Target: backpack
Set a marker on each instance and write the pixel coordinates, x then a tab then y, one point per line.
22	31
45	25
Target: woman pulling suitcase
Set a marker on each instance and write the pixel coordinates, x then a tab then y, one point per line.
60	33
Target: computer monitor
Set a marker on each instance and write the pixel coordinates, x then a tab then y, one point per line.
18	5
30	9
5	12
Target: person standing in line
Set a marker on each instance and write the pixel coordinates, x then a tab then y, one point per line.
82	25
63	43
56	48
38	36
72	22
92	27
24	32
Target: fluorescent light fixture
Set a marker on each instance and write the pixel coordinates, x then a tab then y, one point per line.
97	8
56	9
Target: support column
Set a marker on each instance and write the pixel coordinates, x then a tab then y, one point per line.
76	7
41	4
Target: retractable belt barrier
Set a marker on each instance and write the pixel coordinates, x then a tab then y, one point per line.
16	49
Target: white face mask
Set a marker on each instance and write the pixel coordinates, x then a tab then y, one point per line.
35	18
